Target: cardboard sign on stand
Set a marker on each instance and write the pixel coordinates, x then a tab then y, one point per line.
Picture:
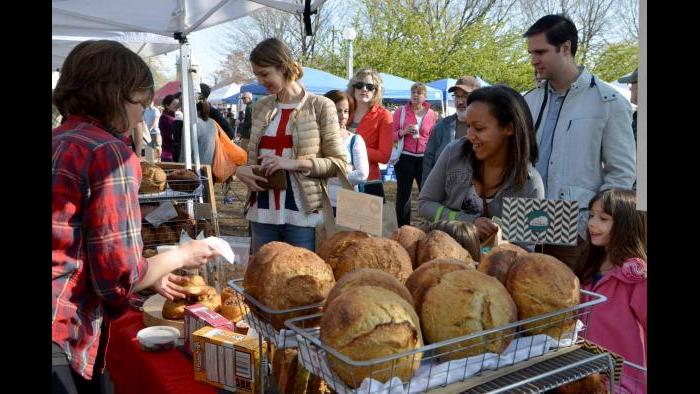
359	211
553	222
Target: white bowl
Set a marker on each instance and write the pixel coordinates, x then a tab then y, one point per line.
158	338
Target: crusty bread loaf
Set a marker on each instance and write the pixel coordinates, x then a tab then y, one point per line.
153	178
467	302
183	180
174	310
499	260
541	284
368	322
379	253
231	304
429	274
283	276
439	244
334	246
369	277
408	237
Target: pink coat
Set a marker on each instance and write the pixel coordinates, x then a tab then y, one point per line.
620	323
411	144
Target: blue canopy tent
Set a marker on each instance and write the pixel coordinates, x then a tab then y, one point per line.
315	81
399	89
444	84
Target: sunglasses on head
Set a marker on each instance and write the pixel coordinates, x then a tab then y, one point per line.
359	85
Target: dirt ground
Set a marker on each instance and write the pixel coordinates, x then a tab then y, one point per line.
232	220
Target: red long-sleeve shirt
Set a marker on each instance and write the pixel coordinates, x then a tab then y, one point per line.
95	235
375	129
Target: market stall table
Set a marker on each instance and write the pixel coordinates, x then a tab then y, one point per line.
133	370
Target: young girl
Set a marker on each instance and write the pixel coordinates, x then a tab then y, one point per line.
358	164
616	267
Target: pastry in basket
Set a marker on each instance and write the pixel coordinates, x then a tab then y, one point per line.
369	277
332	247
183	180
428	275
466	302
499	261
379	253
366	323
153	178
196	292
282	276
408	237
161	235
231	304
439	244
540	284
174	310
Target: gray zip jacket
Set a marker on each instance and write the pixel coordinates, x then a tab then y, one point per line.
443	133
593	147
448	186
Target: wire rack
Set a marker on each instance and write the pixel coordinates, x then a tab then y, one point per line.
633	380
447	362
177	190
262	318
168	233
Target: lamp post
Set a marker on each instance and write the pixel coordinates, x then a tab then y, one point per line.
349	34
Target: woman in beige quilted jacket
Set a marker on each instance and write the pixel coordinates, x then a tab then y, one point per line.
295	132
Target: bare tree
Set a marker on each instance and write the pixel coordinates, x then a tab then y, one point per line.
628	15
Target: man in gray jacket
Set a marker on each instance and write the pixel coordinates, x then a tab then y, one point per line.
583	125
452	127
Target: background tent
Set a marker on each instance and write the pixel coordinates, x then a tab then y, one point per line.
314	81
398	89
444	84
217	96
169	18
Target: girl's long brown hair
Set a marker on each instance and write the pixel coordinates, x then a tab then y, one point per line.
628	236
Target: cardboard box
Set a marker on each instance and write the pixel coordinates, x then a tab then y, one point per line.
225	359
198	316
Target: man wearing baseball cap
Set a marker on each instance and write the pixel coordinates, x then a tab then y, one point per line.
452	127
632	80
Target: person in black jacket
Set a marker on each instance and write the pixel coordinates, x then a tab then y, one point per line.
214	113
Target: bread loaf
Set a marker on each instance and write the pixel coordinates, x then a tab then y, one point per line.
439	244
174	310
467	302
368	322
378	253
183	180
369	277
282	276
334	246
408	237
428	275
498	264
153	178
541	284
231	304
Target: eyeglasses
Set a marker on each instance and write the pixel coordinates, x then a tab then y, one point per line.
359	85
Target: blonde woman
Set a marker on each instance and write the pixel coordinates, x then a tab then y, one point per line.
373	123
296	132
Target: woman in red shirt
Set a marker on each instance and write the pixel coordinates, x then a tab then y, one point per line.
372	122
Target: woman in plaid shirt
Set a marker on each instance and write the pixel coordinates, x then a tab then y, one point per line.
97	260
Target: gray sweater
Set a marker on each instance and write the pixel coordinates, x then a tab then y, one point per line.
206	139
448	192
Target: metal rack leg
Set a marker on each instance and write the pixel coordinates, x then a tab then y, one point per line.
262	367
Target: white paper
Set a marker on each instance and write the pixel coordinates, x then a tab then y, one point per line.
162	214
222	247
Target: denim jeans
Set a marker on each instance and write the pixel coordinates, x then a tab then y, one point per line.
304	237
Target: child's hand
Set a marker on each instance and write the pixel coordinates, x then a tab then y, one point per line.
485	227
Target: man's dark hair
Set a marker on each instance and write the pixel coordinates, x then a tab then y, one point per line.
206	90
558	29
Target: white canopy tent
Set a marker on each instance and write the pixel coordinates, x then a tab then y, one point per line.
169	18
217	96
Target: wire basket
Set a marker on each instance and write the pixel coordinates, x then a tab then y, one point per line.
633	379
262	319
178	190
442	363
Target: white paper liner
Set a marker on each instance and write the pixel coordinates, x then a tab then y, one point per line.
520	349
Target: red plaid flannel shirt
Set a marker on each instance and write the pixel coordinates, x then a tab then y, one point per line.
96	235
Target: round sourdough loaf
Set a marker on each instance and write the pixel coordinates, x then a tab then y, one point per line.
368	322
332	247
499	260
540	284
439	244
408	237
369	277
378	253
428	275
463	303
153	178
282	276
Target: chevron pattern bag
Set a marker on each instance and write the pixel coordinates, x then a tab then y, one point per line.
553	222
